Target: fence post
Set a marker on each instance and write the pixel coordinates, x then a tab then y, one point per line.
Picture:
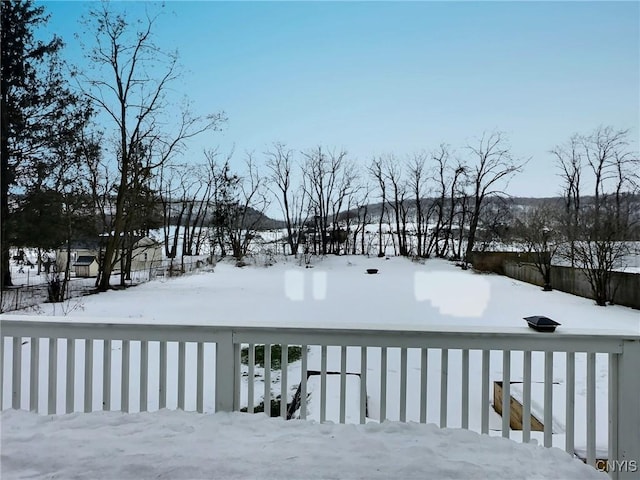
225	373
628	414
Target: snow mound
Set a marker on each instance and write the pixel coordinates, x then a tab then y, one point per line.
179	445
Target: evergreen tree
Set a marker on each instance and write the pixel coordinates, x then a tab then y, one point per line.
40	115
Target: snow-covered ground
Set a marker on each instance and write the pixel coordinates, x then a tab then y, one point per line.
335	290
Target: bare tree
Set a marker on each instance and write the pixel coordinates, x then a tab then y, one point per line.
247	211
599	226
397	202
494	165
346	188
417	184
458	177
292	201
494	225
627	183
441	167
328	181
175	187
464	206
377	172
173	184
599	254
569	160
130	88
200	230
362	218
538	234
198	205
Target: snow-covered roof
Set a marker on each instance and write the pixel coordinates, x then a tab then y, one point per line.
84	260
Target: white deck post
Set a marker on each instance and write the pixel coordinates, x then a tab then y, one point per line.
225	373
628	411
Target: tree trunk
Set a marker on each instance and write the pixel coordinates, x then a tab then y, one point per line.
475	216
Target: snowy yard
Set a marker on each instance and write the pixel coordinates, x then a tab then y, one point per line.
336	291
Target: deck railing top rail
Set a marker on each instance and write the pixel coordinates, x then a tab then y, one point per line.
326	326
334	333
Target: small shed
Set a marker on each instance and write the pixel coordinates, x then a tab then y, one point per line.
146	253
86	266
76	249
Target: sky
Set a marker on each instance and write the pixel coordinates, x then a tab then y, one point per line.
377	78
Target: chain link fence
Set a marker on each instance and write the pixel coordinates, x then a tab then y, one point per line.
25	296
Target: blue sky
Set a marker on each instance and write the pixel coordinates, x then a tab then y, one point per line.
394	77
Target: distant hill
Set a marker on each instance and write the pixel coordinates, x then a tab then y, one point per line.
521	204
264	222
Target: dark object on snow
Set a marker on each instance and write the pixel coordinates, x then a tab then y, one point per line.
371	271
541	324
54	289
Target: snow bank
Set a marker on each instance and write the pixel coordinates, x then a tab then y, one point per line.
177	445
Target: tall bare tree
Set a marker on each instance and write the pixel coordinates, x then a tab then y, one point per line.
417	184
569	160
328	181
362	218
397	202
376	170
198	205
440	158
174	187
247	210
292	200
455	187
493	166
129	84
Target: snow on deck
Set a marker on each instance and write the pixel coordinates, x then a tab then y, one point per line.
179	445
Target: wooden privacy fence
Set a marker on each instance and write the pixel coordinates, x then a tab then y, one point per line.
216	360
624	285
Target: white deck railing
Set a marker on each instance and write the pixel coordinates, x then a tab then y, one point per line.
214	352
